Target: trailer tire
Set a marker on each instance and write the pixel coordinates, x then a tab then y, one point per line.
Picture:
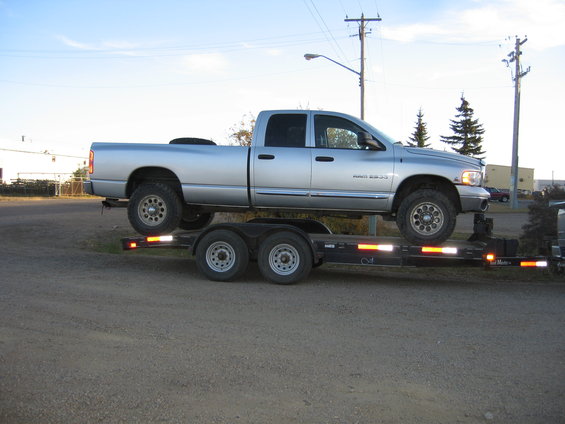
426	216
222	255
284	258
154	209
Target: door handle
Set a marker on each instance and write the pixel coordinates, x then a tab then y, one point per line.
266	157
324	159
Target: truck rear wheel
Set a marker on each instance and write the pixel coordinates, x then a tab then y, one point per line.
194	221
426	217
154	209
222	255
284	258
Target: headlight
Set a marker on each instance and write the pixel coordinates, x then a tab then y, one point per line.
472	178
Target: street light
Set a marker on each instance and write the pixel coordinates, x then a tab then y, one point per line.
310	56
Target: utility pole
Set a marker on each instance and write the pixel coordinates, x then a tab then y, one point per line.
518	74
362	32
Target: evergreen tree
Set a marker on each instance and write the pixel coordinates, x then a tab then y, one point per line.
420	135
467	132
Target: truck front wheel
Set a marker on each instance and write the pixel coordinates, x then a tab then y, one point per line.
154	209
426	216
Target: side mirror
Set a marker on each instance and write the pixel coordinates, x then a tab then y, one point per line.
365	139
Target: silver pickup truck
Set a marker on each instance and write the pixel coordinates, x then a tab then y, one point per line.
299	161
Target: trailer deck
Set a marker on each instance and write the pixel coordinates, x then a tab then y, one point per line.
286	250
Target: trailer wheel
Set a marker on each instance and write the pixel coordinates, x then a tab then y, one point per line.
284	258
222	255
154	209
426	216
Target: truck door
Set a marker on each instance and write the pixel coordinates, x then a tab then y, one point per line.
346	175
281	168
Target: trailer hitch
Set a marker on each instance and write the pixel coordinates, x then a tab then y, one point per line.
482	228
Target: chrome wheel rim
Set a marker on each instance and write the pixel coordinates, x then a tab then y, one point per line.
152	210
427	218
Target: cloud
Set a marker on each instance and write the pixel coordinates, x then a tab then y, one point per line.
75	44
273	52
210	63
120	47
487	21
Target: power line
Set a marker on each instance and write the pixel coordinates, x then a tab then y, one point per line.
46	153
328	29
148	52
334	44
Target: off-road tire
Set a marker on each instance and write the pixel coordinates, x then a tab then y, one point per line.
154	209
426	216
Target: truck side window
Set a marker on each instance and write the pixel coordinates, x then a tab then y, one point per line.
286	130
333	132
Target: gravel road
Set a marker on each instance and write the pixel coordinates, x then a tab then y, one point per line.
90	337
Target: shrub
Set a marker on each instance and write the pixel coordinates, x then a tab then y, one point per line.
542	222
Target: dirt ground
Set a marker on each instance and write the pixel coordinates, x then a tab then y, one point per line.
94	337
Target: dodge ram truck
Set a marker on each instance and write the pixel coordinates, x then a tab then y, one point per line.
316	162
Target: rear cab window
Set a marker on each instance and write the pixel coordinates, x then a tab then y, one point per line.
286	130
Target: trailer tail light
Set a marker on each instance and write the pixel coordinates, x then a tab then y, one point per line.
533	264
132	245
443	250
380	247
91	162
490	257
156	239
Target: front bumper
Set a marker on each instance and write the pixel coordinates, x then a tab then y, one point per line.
473	199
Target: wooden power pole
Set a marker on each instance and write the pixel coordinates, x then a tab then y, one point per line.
518	74
362	32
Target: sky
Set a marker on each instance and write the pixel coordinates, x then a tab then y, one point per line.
73	72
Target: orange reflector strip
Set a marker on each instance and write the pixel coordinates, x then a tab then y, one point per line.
381	247
490	257
154	239
540	264
133	245
446	250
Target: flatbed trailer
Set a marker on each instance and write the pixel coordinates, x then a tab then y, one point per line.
287	249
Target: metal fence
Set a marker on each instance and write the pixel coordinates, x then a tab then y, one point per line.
43	188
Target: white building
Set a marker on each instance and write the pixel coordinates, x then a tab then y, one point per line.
36	162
